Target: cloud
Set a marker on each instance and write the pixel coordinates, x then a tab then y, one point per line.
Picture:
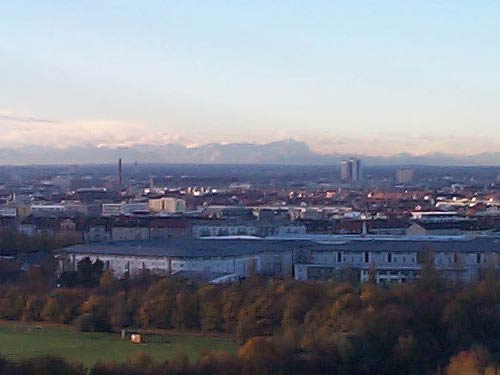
19	130
396	143
6	116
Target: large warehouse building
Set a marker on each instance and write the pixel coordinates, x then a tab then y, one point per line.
226	257
306	257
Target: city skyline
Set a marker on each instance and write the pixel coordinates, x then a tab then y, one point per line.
374	79
250	187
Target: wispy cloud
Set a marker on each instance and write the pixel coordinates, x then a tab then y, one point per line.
13	117
19	130
391	144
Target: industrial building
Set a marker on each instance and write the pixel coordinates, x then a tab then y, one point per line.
231	257
306	257
398	258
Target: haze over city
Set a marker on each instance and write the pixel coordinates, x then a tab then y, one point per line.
364	78
250	187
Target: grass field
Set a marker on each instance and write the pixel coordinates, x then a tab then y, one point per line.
18	342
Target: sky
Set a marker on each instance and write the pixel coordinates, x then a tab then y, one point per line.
362	77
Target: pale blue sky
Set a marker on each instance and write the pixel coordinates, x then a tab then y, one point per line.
374	77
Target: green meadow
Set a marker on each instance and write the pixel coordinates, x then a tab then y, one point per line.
18	341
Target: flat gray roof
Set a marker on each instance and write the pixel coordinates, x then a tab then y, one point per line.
193	248
189	248
477	244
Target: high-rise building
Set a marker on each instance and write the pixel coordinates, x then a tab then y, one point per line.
345	171
350	170
356	169
120	173
404	175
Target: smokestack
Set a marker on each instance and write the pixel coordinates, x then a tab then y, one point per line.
120	172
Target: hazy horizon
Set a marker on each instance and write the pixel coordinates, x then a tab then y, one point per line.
284	152
361	78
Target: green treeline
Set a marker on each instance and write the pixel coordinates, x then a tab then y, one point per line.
284	327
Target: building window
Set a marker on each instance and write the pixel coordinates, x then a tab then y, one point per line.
389	257
478	258
339	256
367	256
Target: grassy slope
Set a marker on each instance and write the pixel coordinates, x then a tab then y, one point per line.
16	343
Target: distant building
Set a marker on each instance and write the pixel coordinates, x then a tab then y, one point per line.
22	210
437	216
405	176
134	208
169	227
8	212
356	169
464	227
319	257
350	170
398	259
218	230
118	209
129	233
97	233
345	171
232	259
58	209
167	205
47	209
111	209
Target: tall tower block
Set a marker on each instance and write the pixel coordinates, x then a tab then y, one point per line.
120	175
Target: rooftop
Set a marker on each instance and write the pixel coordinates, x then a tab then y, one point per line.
192	248
189	248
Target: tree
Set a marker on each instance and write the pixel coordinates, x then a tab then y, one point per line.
232	301
298	302
210	308
472	362
218	363
63	306
157	305
247	327
108	284
260	357
47	366
88	274
187	311
34	307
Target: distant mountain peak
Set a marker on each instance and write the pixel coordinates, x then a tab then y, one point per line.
287	151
